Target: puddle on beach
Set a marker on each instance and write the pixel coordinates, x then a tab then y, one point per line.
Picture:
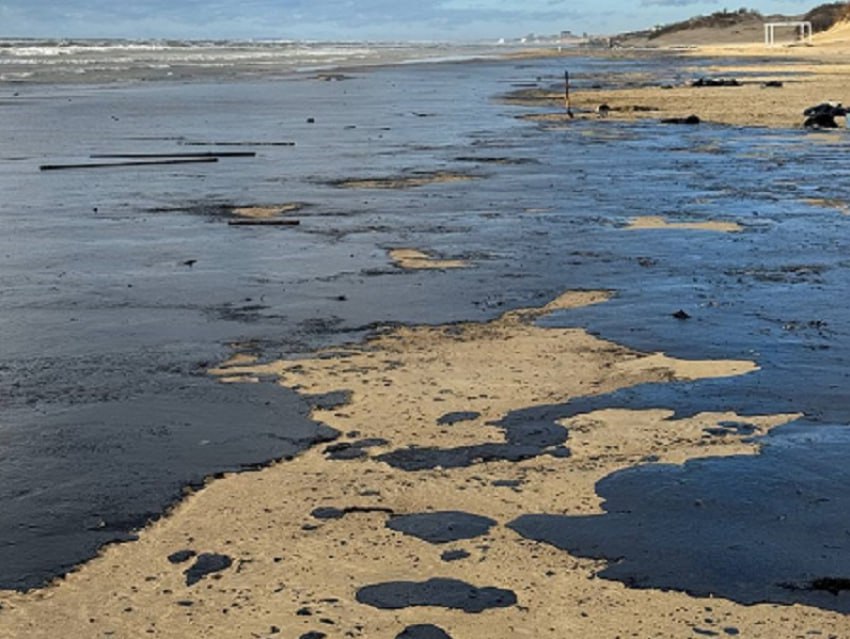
126	293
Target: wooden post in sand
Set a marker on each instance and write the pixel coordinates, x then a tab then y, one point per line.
567	93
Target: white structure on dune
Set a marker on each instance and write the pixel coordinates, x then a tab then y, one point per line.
803	29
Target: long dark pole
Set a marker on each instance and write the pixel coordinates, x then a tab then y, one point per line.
567	93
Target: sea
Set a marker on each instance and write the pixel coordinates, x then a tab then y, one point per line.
104	61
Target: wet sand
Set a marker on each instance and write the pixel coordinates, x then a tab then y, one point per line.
469	421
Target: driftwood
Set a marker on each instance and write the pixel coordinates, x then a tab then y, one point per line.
200	154
237	143
106	165
287	222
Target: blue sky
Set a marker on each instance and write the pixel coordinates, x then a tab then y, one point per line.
349	19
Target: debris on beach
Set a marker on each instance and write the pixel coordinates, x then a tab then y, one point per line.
822	116
772	84
691	119
715	82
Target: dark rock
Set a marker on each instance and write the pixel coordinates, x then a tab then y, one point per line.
445	593
715	82
423	631
442	527
180	556
449	419
772	84
681	315
313	635
205	564
822	116
691	119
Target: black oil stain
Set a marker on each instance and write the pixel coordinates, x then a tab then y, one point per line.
205	564
531	435
444	593
442	527
181	556
346	451
454	555
450	419
766	528
423	631
330	512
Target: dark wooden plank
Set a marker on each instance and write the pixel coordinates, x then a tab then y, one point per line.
106	165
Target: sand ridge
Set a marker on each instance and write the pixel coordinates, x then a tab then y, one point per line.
293	573
413	259
658	222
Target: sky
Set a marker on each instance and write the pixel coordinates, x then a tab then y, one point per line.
393	20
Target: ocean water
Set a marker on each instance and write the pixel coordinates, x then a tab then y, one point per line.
105	61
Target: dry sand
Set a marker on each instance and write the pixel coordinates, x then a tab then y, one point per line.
293	573
810	75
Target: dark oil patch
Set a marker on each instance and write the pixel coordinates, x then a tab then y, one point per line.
444	593
423	631
181	556
442	527
450	419
205	564
751	529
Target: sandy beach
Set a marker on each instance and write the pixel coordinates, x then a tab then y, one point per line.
453	451
808	75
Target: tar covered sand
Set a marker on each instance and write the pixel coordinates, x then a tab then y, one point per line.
272	563
450	485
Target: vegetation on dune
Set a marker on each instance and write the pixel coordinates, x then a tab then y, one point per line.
822	17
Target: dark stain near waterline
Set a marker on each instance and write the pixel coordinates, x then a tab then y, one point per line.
423	631
330	512
329	401
443	593
442	527
450	419
344	451
195	430
769	528
205	564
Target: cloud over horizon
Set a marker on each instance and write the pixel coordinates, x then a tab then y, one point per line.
346	19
